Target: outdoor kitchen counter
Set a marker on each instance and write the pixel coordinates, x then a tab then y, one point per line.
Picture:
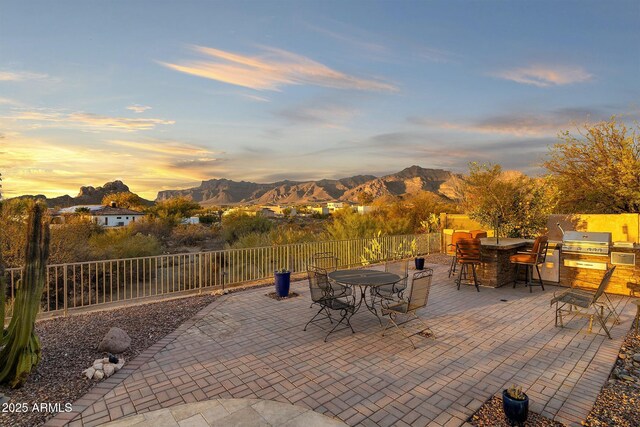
496	270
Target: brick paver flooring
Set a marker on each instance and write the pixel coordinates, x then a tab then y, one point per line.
246	345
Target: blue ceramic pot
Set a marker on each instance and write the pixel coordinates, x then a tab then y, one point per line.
516	411
283	281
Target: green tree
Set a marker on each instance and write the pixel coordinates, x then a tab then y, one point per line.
125	200
175	209
597	171
521	202
20	350
348	224
238	224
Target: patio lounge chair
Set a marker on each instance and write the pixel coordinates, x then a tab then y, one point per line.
587	303
322	294
418	298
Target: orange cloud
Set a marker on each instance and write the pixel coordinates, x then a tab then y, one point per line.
271	70
18	76
88	120
138	108
545	75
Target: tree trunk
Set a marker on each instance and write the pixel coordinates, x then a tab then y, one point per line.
20	347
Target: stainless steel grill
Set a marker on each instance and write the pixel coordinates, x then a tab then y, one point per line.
579	242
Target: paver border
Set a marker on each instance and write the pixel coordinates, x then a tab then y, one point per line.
99	390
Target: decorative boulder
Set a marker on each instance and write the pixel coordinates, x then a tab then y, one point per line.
116	341
109	369
89	372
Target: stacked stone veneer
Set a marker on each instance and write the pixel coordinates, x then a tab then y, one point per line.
572	276
102	368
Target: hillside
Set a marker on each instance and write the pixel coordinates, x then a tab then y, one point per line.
407	181
86	196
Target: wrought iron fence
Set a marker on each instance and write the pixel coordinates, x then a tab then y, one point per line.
89	284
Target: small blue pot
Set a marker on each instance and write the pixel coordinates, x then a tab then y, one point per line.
516	411
283	282
419	263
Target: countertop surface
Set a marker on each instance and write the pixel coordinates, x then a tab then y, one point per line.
504	243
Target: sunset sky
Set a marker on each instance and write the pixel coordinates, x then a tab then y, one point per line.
164	94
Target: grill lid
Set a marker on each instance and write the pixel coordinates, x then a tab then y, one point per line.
603	238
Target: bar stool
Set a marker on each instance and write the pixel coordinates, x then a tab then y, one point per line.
468	254
451	249
478	234
535	257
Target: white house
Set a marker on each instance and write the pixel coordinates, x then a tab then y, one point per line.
332	206
362	209
107	216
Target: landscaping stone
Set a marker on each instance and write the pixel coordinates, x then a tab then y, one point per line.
89	372
115	341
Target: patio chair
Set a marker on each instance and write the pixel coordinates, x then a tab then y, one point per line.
322	294
327	261
478	234
534	258
451	248
468	254
418	297
392	290
587	303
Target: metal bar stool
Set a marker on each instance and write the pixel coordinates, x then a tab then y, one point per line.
535	257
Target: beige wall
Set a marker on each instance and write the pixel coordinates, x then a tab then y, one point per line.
623	227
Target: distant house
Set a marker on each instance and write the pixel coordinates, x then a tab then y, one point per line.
107	216
321	210
363	209
332	206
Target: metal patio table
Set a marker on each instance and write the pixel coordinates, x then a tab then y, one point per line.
364	279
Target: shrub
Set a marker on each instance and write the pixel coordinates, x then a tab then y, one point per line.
237	224
121	243
191	234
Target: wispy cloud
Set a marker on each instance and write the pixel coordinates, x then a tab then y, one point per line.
518	124
272	69
164	147
545	75
87	120
138	108
330	116
19	76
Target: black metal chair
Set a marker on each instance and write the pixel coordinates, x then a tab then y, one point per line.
418	297
587	303
327	261
323	295
392	290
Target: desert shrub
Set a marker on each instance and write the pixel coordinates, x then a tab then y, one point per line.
70	241
191	234
172	211
237	224
152	226
348	224
281	235
121	243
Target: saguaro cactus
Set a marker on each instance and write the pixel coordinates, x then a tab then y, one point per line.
19	346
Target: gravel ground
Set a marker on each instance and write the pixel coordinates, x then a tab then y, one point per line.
618	403
69	346
492	415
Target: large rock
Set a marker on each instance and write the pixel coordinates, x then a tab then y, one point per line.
116	341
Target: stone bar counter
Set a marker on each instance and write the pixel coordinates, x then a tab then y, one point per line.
496	270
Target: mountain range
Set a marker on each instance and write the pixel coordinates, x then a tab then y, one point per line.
227	192
408	181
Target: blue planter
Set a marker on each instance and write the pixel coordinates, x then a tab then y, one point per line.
419	263
516	411
283	281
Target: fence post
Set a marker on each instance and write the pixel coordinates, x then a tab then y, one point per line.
200	272
64	290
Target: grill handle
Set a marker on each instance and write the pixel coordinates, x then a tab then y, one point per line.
560	227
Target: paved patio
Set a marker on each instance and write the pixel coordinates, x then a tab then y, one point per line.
246	345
